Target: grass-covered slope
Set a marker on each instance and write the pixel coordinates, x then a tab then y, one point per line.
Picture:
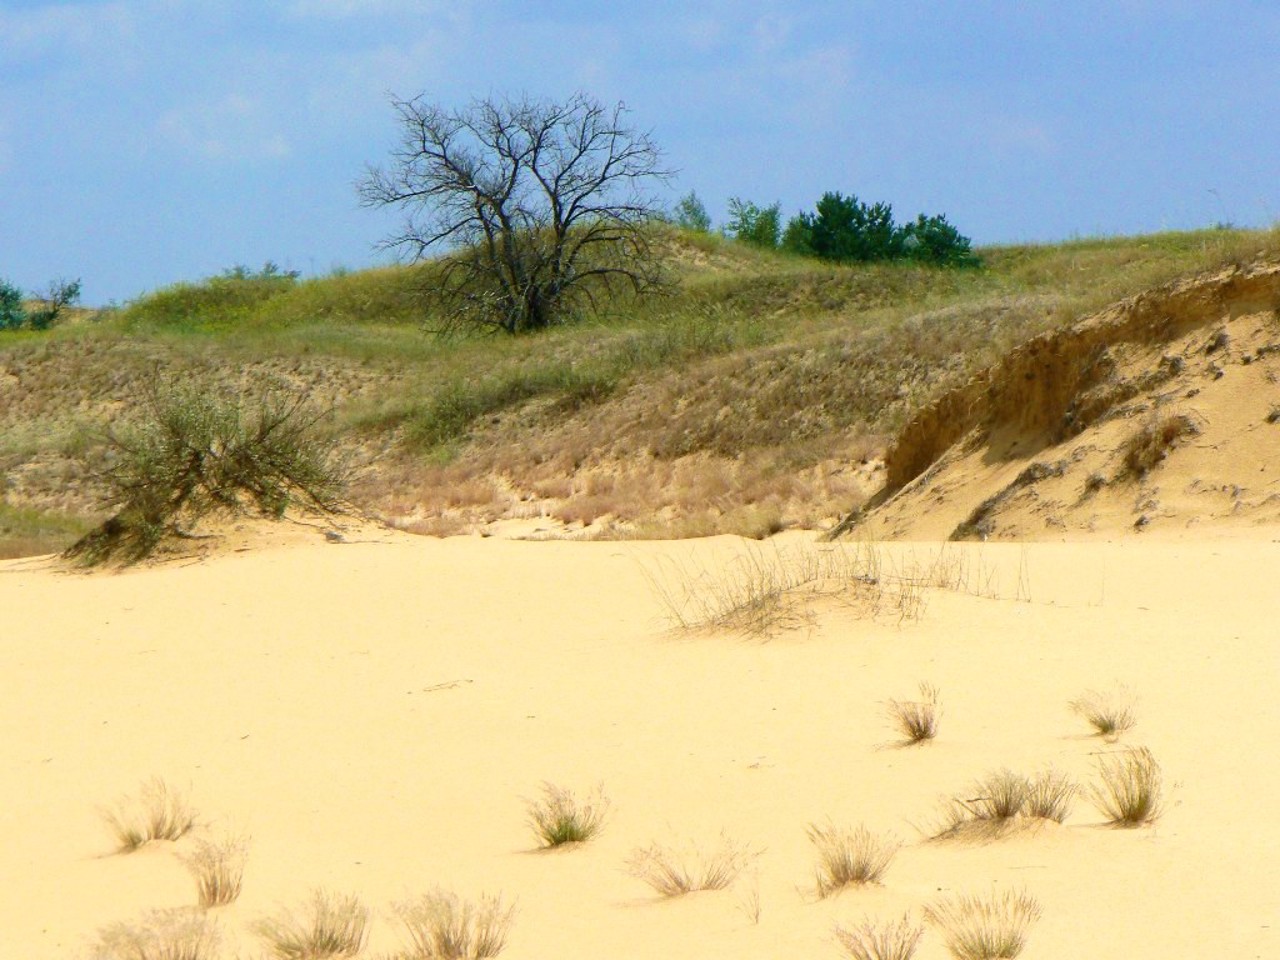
756	395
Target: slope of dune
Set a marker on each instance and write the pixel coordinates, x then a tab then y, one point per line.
373	715
1160	413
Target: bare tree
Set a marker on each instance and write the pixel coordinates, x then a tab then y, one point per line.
543	205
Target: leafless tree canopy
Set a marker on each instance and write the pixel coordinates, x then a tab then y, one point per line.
542	204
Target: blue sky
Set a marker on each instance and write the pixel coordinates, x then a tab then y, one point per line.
144	142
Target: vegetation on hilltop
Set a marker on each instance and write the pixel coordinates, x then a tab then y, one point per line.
743	402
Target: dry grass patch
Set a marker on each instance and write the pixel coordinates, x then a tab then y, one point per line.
987	807
331	925
888	941
560	818
180	934
675	872
157	813
984	928
849	857
1110	714
1049	796
1130	792
1147	448
443	925
218	869
917	720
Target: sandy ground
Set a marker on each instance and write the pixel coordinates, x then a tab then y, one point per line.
374	716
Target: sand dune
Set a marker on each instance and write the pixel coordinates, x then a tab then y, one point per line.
374	715
1160	413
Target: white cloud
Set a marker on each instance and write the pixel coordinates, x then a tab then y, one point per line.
235	128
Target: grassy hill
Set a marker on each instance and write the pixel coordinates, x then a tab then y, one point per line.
757	395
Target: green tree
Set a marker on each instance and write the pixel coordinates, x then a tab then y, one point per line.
59	295
691	214
758	226
12	314
934	240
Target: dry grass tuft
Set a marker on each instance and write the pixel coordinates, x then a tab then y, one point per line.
673	873
1129	795
331	926
849	857
1049	796
977	928
559	818
442	925
1110	714
870	941
917	720
180	934
218	869
1147	448
158	813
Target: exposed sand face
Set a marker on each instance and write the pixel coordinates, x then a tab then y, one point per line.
373	715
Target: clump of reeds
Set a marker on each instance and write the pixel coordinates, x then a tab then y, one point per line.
849	857
1110	714
442	926
889	941
917	720
673	873
218	869
984	928
331	925
157	813
559	817
1130	792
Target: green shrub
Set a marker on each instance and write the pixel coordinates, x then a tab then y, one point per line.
844	229
758	226
195	454
691	214
13	316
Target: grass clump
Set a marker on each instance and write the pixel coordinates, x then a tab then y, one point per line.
180	934
917	720
1110	714
890	941
1129	794
673	873
218	869
330	926
1049	796
196	453
984	928
1147	448
849	857
442	925
560	818
157	813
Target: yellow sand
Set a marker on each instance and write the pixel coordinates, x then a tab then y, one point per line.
375	714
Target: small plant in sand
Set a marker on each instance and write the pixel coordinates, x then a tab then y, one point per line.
984	928
181	934
1049	796
157	813
330	926
1110	714
988	806
849	857
218	869
1147	448
673	873
881	941
1129	795
442	926
917	720
560	817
